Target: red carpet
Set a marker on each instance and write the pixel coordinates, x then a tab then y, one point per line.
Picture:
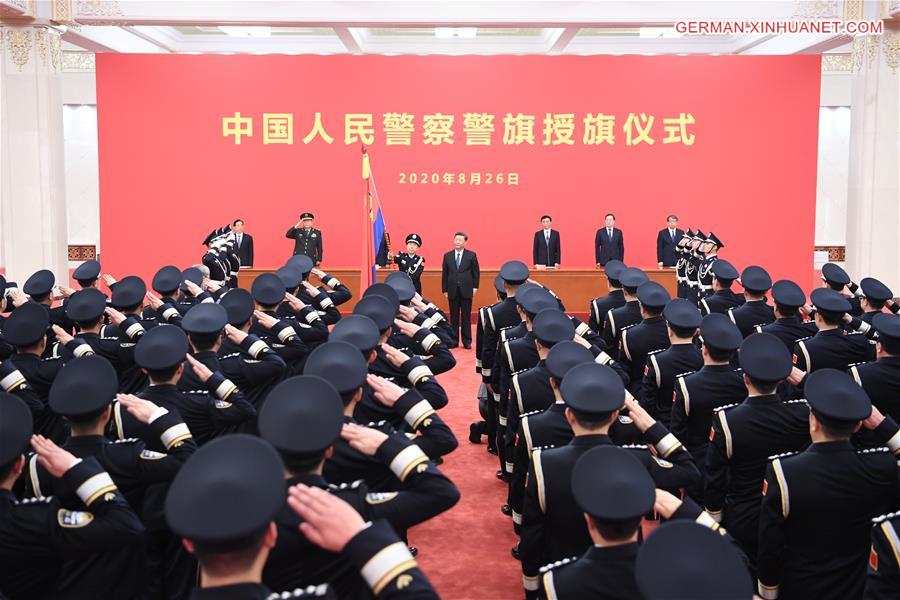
465	551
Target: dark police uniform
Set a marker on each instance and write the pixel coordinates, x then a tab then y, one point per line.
832	349
663	367
750	314
883	576
614	298
881	378
648	335
720	301
681	263
412	264
789	330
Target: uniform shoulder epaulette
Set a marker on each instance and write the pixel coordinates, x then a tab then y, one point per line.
521	371
657	351
380	423
33	501
856	364
545	447
558	563
196	392
797	401
530	413
52	358
783	455
346	486
803	339
685	374
887	517
310	591
878	450
633	446
232	355
127	441
725	407
627	327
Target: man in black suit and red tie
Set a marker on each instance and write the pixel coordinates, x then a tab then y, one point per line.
667	241
243	243
546	251
609	243
459	283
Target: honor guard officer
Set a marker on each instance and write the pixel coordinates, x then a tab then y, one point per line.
881	378
744	436
692	271
268	293
664	366
307	239
410	262
128	296
166	282
710	248
687	560
648	335
614	491
722	298
617	319
681	264
552	526
837	279
788	325
38	536
798	558
716	384
499	316
303	433
755	311
874	297
87	274
883	578
831	347
614	298
38	288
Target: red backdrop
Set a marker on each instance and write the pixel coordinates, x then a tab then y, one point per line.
168	174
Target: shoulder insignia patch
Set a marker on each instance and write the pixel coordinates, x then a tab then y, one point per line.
73	519
558	563
380	497
625	420
151	455
661	462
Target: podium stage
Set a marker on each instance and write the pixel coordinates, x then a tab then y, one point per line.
576	287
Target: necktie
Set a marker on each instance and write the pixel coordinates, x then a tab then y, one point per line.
547	237
239	240
672	231
458	255
609	232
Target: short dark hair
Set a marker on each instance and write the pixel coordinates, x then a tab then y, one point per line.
725	283
653	311
610	215
834	427
764	387
546	217
719	355
162	374
301	464
222	563
617	531
6	468
683	332
672	217
876	304
236	221
889	345
590	420
832	318
203	342
786	311
462	233
90	418
82	325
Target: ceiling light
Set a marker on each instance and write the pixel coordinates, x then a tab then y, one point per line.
241	31
455	32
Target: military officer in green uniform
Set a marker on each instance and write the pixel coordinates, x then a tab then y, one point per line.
307	239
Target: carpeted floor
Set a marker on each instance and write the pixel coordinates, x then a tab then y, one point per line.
465	551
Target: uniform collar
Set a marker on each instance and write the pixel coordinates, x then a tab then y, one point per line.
762	400
308	479
830	447
717	368
602	553
835	331
85	441
235	591
793	319
593	439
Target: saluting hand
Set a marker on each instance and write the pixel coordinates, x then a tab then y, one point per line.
139	408
234	334
385	391
50	456
108	279
796	376
406	313
365	440
328	522
18	298
406	328
154	302
311	289
666	504
192	288
115	316
418	304
62	335
873	420
202	372
296	303
265	320
394	356
642	419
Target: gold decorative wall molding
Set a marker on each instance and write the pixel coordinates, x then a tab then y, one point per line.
78	61
98	8
18	43
832	63
835	253
817	9
82	252
867	50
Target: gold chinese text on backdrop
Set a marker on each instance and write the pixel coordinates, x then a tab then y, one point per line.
472	129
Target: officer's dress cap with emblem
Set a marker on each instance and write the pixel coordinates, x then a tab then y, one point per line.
239	305
632	278
713	239
756	279
300	261
307	215
593	389
787	293
268	289
414	238
534	300
699	236
338	363
205	319
720	333
875	290
163	347
404	287
498	284
765	358
192	274
565	355
86	305
682	313
290	276
39	284
613	269
610	484
397	275
15	427
303	415
653	294
385	291
832	273
129	291
687	235
724	270
887	326
683	559
827	300
26	325
552	326
528	285
167	280
84	386
227	493
377	308
514	272
356	329
87	271
834	395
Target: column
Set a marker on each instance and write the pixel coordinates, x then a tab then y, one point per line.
32	180
873	201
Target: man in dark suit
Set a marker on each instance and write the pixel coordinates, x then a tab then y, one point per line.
609	243
666	240
243	243
546	250
307	239
459	282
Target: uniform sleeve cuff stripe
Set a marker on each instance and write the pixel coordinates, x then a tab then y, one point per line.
419	373
418	412
175	434
94	487
406	460
82	350
169	313
387	564
429	341
286	334
134	330
225	389
11	381
668	445
257	348
767	592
